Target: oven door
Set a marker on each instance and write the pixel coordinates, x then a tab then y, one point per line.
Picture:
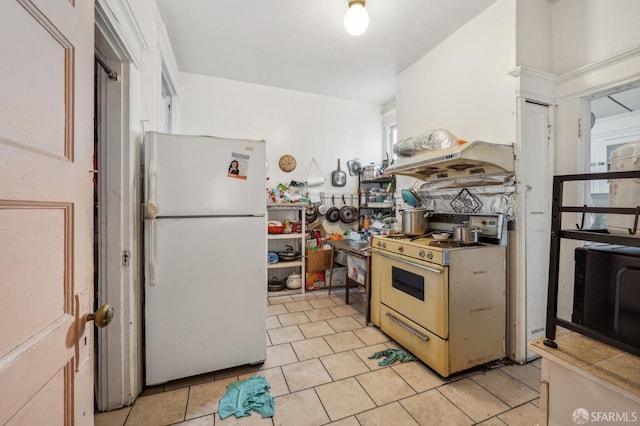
419	291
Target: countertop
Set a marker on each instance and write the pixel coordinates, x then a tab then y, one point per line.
610	366
360	248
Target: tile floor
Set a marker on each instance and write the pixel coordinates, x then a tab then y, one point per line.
318	367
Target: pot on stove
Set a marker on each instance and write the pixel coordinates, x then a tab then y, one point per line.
465	233
415	222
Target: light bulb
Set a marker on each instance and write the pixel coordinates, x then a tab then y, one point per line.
356	20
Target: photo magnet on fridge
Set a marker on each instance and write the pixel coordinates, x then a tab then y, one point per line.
238	166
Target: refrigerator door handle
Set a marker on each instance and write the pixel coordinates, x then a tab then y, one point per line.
150	208
152	184
152	258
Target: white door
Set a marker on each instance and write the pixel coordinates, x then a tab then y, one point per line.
46	254
537	219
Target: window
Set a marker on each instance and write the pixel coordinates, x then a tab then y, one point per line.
390	133
166	101
392	138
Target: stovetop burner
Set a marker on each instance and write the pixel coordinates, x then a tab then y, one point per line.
397	236
430	242
425	248
405	237
452	244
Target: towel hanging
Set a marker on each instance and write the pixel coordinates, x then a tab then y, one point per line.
315	181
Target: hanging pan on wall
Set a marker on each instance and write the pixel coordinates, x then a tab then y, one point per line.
346	212
312	213
333	214
338	177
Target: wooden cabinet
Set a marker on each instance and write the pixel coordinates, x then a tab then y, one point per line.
587	380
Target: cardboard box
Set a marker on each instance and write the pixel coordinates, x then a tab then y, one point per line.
357	268
315	280
318	260
340	258
338	276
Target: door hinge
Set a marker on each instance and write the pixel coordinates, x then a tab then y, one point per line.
126	255
579	128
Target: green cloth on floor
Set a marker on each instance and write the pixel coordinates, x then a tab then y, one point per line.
246	396
393	355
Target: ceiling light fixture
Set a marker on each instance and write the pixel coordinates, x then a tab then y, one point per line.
356	20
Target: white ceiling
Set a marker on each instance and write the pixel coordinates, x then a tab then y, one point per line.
302	44
616	103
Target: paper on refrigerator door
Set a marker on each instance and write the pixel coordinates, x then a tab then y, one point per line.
238	166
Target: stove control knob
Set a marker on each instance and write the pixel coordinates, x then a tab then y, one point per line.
429	255
379	244
421	253
384	245
400	249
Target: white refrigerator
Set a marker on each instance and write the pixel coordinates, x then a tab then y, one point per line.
205	254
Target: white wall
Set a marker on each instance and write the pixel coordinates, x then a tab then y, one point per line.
591	41
596	51
590	67
586	31
156	50
304	125
534	35
462	85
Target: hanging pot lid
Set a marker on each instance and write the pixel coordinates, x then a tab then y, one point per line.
322	208
411	197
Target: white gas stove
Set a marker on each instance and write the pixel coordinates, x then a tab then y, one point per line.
442	300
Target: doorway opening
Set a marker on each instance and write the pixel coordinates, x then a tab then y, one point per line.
118	347
615	121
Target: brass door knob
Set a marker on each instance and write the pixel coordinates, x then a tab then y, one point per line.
102	317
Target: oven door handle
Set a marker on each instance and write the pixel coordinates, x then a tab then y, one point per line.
407	327
417	265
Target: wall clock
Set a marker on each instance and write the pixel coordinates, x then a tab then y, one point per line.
287	163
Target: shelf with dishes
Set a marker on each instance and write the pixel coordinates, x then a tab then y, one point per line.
286	236
376	198
293	235
280	264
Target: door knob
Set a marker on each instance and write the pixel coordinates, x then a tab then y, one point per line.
102	317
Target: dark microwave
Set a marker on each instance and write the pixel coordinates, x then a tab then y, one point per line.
607	291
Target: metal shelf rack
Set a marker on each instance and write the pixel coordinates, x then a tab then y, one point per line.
557	234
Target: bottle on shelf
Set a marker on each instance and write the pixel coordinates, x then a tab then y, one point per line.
366	223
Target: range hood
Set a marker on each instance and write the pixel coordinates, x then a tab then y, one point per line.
473	158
